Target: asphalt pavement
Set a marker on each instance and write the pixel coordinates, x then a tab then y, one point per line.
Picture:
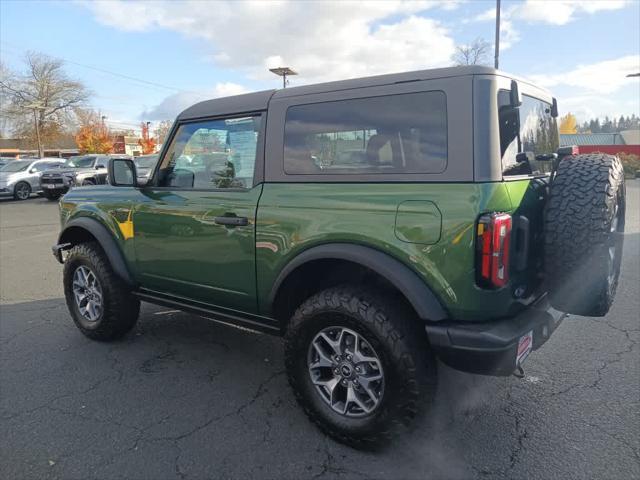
186	398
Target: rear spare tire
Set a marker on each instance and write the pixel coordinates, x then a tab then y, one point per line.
584	225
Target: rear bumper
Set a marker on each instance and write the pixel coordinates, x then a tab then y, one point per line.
491	348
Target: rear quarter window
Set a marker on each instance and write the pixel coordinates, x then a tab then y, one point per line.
386	135
538	135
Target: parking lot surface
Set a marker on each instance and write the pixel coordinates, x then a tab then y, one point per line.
183	397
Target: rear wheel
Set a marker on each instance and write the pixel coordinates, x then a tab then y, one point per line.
358	364
101	307
584	226
22	191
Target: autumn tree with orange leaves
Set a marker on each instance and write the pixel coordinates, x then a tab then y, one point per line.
147	143
93	136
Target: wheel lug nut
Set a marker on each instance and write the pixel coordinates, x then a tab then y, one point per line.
336	371
349	357
337	358
355	381
358	370
344	382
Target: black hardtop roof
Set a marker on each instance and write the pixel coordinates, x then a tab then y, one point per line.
257	101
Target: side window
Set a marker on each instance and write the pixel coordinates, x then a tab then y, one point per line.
392	134
212	154
42	166
537	135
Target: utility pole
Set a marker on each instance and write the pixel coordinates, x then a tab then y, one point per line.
497	54
35	117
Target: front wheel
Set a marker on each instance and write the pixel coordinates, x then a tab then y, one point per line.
22	191
359	364
101	307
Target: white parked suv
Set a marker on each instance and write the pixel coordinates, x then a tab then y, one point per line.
21	178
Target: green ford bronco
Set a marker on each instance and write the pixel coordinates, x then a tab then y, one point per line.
377	224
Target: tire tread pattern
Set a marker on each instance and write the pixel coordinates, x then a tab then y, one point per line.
120	308
578	217
398	332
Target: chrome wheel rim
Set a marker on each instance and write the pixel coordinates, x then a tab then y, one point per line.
22	191
87	293
346	371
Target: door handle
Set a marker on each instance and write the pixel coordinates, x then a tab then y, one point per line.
232	221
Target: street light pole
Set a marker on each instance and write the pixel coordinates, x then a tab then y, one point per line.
283	72
497	54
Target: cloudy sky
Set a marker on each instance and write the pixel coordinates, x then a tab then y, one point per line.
147	60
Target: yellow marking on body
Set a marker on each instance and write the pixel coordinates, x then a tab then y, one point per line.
126	227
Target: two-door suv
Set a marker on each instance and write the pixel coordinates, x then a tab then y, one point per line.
378	224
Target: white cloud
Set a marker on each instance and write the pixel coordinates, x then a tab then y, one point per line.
552	12
587	107
174	104
561	12
596	90
322	40
602	77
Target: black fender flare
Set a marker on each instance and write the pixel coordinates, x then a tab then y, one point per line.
417	292
106	241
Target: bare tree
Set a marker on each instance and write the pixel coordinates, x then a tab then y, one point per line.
162	132
475	53
40	101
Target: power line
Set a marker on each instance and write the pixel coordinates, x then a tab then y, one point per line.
121	75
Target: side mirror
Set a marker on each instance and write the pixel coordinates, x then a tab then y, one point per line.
515	99
33	170
98	167
554	108
122	172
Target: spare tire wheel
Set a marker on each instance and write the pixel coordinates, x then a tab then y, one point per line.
584	225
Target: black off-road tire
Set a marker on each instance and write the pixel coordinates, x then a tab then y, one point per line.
395	335
120	309
51	196
586	202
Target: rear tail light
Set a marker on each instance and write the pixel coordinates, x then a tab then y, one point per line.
492	250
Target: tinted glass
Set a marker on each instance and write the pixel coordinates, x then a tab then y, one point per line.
16	166
378	135
146	161
212	154
42	166
80	162
538	134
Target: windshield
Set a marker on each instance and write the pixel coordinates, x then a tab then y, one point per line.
15	166
80	162
538	134
146	161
